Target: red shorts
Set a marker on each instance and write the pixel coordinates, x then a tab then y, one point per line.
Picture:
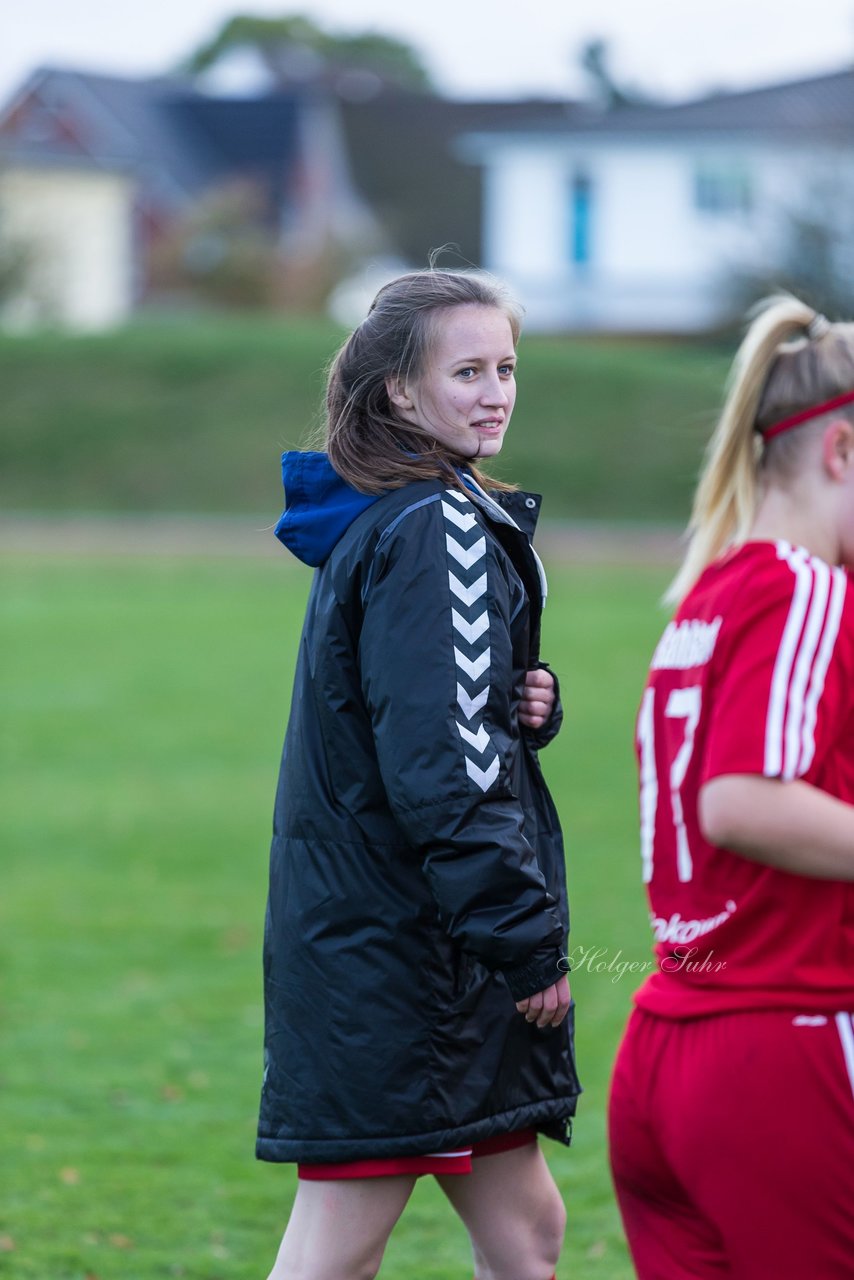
440	1162
732	1145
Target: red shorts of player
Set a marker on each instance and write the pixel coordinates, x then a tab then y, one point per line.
440	1162
732	1145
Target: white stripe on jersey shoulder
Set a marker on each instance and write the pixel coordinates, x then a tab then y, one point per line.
845	1027
828	640
777	702
803	666
803	657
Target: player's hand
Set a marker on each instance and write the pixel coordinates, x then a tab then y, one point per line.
538	699
547	1008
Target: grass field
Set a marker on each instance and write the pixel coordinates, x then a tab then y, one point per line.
143	707
193	417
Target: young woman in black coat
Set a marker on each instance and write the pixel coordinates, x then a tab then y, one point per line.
418	1014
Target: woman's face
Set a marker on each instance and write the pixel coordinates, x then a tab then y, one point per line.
465	396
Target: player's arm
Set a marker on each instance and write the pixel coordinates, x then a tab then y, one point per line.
789	825
781	708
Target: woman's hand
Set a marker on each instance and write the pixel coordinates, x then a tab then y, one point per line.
538	699
547	1008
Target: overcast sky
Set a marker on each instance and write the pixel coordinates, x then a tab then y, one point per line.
474	48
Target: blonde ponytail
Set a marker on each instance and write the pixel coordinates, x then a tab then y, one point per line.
727	494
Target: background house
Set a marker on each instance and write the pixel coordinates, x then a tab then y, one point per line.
121	192
99	175
661	218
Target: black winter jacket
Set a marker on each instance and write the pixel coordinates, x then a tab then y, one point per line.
417	884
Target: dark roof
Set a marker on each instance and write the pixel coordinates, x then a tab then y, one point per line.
162	129
242	131
106	122
817	108
252	137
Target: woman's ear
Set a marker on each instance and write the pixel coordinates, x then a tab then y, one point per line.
838	448
398	394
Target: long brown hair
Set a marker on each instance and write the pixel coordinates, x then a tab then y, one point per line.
791	359
367	442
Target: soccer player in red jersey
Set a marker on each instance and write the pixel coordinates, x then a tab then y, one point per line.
732	1102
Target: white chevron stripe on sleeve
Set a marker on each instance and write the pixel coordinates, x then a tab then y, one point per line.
472	669
466	556
483	777
464	522
470	631
479	740
461	517
468	705
468	595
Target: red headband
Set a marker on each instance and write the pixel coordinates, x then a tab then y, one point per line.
797	418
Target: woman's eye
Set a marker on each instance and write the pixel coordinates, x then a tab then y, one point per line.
464	373
507	369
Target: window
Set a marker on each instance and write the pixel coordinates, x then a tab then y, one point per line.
722	188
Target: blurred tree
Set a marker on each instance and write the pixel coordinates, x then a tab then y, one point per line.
595	59
296	51
812	255
218	252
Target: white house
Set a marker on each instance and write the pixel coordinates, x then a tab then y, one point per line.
645	218
75	226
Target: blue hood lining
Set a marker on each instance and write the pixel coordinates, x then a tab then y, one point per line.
319	506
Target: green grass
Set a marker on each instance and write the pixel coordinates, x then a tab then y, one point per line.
143	704
193	417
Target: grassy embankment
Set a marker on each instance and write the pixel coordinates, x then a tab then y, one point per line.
192	418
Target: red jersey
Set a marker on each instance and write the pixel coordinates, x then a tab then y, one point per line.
754	675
